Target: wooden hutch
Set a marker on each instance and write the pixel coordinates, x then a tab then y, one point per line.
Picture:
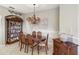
13	25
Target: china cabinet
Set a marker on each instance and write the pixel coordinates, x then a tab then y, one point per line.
13	25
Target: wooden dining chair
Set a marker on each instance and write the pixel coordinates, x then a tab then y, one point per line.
31	43
39	35
24	42
19	37
34	34
47	41
44	44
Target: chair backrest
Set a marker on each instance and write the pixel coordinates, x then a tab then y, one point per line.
20	34
34	34
23	38
30	38
39	35
47	39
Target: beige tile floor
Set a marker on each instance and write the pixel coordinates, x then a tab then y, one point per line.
14	49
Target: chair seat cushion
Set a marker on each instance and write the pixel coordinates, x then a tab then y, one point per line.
41	44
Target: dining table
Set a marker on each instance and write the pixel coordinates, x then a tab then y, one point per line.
37	41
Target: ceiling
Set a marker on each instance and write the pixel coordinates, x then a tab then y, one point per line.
27	8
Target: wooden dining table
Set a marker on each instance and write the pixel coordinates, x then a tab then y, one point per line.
37	41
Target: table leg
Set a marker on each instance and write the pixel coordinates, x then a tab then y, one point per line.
38	48
21	47
46	49
25	47
32	50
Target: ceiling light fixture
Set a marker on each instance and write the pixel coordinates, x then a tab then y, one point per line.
34	19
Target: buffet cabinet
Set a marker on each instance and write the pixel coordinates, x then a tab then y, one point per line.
13	26
64	48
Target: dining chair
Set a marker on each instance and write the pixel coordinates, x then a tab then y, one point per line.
44	44
31	43
19	37
24	42
34	34
39	35
47	41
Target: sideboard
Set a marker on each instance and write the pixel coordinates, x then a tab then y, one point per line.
64	48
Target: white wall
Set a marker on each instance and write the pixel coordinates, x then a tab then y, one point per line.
3	13
69	19
78	27
78	22
69	23
49	23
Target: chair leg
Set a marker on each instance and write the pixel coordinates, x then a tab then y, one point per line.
25	47
21	47
38	49
19	44
32	50
46	49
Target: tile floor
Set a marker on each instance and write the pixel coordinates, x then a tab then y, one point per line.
14	49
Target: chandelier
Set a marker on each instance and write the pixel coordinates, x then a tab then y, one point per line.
34	19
